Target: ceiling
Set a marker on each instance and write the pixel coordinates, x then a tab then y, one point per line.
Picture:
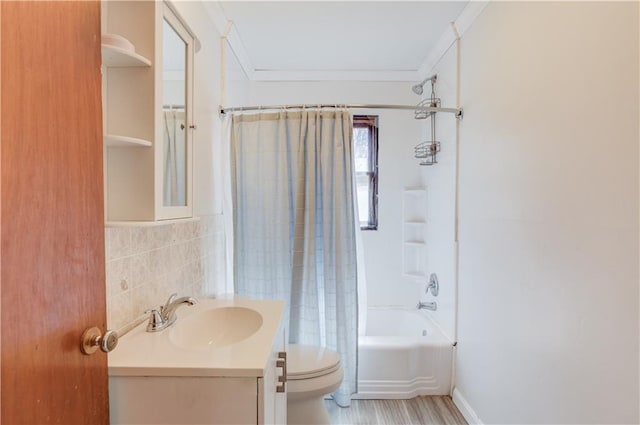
336	36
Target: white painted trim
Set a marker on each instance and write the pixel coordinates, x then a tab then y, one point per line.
465	408
467	17
183	22
237	47
220	21
266	75
442	45
454	353
217	15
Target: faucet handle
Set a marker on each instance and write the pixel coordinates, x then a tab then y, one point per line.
155	320
433	285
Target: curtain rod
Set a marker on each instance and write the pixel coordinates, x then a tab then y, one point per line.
456	111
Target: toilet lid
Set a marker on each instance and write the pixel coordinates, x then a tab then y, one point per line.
306	361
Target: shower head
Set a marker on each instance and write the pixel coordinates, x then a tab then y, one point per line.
419	88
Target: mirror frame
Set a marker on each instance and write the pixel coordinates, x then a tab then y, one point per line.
170	14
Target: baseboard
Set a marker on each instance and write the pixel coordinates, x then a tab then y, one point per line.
465	408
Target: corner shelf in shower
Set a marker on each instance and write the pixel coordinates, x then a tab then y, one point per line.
415	243
416	276
115	141
414	226
116	57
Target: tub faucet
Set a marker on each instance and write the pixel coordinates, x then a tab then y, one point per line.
433	306
166	316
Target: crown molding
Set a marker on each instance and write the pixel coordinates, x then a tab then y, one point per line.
467	17
270	75
234	41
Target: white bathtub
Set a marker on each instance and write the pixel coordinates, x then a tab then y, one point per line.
402	355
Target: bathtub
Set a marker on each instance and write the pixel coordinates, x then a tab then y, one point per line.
402	355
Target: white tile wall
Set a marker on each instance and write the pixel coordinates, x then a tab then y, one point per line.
145	264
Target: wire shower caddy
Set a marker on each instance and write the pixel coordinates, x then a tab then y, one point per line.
427	151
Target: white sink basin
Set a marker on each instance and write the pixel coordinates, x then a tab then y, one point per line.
215	327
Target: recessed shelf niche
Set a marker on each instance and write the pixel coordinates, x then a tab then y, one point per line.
414	225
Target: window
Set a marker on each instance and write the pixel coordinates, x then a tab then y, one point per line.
365	147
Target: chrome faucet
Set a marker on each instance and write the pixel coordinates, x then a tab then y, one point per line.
166	316
433	306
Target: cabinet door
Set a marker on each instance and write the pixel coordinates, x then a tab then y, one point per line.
174	146
280	401
154	400
272	405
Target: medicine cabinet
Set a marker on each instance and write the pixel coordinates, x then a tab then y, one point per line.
147	60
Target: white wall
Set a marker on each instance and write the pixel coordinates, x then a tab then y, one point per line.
548	308
439	179
207	100
208	157
398	134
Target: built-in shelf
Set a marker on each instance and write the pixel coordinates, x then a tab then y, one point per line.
415	191
414	220
112	140
415	275
116	57
415	243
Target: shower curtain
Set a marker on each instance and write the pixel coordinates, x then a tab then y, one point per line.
294	225
174	157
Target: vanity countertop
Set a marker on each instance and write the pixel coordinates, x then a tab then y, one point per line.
142	353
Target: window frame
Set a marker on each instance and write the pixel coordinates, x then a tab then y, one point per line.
370	122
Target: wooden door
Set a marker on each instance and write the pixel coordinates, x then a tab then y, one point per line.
52	222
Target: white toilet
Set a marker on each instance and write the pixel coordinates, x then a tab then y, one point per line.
312	372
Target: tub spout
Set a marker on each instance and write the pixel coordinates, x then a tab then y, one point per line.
433	306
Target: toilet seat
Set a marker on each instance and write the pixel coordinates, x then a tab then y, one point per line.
307	362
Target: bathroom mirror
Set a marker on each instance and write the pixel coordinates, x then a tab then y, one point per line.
175	118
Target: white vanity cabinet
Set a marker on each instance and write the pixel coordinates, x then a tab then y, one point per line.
151	381
148	151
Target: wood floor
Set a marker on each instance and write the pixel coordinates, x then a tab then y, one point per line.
420	410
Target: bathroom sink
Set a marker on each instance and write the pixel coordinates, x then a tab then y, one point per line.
215	327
